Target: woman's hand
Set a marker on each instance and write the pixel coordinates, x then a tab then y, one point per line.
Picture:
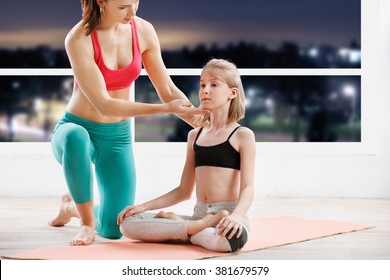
234	221
183	107
129	211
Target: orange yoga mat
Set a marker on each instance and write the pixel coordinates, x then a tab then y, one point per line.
265	233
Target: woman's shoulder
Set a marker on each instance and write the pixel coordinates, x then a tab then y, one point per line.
143	25
77	38
76	34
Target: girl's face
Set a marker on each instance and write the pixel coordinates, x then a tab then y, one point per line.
122	11
214	92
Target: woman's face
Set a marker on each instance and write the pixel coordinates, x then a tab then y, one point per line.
122	11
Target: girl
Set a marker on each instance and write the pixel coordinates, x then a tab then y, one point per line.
220	162
106	50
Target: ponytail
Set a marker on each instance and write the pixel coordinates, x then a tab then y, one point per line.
90	15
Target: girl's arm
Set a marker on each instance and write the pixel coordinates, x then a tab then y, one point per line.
247	146
157	72
179	194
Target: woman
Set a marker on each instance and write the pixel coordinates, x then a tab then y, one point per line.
106	50
220	162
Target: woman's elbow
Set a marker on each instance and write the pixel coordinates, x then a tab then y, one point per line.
106	108
104	111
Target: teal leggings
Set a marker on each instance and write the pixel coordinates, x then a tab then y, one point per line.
76	144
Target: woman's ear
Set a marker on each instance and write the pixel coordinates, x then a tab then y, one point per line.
100	3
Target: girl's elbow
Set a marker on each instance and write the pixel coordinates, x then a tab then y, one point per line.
187	197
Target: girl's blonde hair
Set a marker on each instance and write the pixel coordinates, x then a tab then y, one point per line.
228	73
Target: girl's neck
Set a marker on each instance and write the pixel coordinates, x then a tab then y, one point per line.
219	122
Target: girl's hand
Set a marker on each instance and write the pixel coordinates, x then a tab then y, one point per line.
129	211
234	221
183	107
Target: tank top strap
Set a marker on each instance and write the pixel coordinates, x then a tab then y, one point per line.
233	132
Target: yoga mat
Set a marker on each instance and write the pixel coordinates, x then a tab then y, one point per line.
265	233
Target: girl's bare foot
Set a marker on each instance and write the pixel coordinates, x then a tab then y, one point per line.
168	215
85	236
208	221
67	211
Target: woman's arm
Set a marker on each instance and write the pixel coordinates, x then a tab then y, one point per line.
179	194
92	84
247	148
157	72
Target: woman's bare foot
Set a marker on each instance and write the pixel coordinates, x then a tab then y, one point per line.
208	221
67	211
168	215
85	236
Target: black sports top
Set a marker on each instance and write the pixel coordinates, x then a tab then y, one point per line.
220	155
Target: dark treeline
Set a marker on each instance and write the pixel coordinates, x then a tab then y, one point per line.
244	55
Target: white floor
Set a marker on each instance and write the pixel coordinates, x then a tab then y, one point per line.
24	226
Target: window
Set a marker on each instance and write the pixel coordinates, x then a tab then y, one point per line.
302	84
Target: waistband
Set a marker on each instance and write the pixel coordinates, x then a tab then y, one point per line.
201	209
215	207
105	130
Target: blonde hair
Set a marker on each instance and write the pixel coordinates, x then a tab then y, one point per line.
228	73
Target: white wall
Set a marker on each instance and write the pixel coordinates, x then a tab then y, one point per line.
282	169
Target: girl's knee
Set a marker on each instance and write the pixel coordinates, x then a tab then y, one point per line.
130	229
209	239
237	243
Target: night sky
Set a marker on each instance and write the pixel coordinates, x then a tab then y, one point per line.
26	23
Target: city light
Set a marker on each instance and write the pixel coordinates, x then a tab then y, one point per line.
349	90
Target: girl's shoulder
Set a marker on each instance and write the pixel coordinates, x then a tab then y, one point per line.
245	134
245	130
193	133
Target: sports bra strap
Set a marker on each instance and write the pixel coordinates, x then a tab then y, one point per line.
233	132
197	136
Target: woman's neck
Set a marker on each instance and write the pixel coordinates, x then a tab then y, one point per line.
108	25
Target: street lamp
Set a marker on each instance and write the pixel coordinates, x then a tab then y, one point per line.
349	91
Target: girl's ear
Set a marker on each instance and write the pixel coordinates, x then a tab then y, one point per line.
234	93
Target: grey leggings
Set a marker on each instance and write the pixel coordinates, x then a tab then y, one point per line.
146	227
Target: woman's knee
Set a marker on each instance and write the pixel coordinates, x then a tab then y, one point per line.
108	228
110	232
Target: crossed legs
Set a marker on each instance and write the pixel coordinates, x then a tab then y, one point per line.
167	226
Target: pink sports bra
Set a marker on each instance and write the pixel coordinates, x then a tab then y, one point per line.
123	77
